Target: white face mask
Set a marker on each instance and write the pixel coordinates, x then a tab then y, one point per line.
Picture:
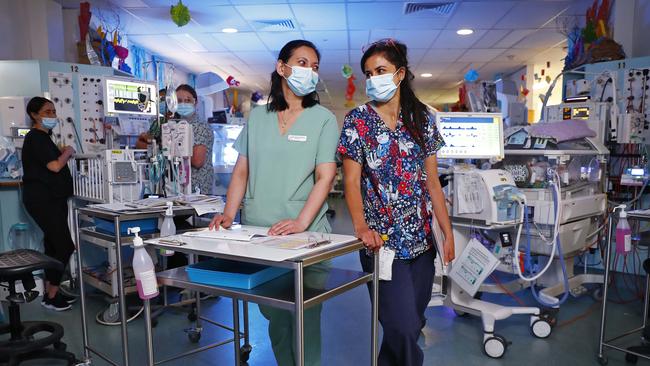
302	80
381	88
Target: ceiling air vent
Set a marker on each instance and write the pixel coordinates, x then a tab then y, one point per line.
441	9
275	24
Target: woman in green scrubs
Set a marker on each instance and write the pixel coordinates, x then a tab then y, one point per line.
284	173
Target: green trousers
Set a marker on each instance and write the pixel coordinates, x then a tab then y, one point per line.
282	323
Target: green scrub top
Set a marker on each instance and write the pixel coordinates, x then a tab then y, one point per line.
281	168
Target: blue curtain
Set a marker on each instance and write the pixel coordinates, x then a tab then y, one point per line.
139	57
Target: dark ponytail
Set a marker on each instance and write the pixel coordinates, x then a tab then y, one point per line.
414	112
276	101
34	106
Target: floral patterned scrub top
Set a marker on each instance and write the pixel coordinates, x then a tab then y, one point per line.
203	177
396	200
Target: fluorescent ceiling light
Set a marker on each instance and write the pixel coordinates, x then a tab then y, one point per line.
464	32
188	42
230	30
426	75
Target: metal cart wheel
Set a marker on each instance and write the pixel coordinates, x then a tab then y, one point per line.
495	346
245	352
597	293
602	360
630	358
193	334
541	328
192	315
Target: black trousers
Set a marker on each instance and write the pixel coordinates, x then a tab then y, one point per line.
402	302
52	217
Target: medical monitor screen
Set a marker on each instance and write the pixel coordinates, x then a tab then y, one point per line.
130	97
471	135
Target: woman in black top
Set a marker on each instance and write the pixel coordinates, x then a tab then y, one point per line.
47	186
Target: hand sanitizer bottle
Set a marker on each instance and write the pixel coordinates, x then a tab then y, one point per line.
143	269
168	227
623	233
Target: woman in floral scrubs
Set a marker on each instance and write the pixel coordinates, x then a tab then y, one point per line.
389	146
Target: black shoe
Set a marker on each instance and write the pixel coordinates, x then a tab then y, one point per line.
57	303
66	298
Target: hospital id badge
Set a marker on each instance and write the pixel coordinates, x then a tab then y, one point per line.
386	257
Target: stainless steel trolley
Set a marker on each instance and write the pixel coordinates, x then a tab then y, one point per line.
607	343
285	292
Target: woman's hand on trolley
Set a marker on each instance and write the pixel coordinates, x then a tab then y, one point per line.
286	227
218	221
68	151
370	238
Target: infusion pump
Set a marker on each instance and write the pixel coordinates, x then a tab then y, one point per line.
177	139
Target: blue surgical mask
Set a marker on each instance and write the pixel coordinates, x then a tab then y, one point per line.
162	108
185	109
381	88
49	122
302	80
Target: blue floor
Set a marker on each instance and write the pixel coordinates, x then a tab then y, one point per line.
447	339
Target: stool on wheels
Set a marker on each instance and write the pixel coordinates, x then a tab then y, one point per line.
28	340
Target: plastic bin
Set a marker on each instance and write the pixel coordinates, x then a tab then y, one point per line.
147	226
222	272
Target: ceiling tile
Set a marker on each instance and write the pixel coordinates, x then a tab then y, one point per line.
265	12
481	54
449	39
257	57
543	38
378	33
133	3
334	57
415	55
531	14
215	18
209	41
318	16
220	58
491	37
442	55
370	16
358	39
328	40
158	18
274	41
513	37
245	2
417	38
479	15
456	68
239	41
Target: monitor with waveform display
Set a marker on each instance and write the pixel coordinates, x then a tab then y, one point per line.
470	135
129	96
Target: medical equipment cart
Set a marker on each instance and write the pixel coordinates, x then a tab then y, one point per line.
285	292
607	343
111	242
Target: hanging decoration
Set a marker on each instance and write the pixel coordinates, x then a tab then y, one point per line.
180	14
232	81
347	72
591	43
257	96
471	75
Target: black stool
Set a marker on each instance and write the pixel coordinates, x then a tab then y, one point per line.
23	344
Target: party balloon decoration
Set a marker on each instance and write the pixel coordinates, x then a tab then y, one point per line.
232	81
346	71
471	75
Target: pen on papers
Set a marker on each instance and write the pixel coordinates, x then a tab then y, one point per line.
172	242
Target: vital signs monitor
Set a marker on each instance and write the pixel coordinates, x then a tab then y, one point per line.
470	135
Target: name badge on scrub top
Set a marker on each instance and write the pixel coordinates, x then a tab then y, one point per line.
297	138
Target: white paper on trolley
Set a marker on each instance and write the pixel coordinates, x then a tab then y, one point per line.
472	267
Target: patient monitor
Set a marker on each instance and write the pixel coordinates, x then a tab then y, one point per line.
471	135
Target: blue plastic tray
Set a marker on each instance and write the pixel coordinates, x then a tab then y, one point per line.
146	226
222	272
